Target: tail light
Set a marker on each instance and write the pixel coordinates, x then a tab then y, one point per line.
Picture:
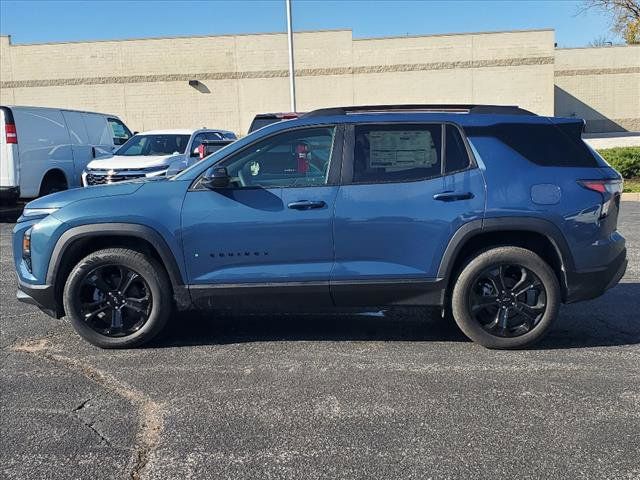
613	186
10	132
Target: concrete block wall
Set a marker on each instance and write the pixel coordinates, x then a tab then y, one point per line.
145	82
601	85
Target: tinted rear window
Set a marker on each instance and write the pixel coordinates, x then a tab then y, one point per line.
547	145
262	122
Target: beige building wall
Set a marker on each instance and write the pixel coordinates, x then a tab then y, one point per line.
145	82
601	85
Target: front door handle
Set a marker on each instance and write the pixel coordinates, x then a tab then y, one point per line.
452	196
307	204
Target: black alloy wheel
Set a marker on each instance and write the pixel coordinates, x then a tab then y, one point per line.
506	297
114	300
508	300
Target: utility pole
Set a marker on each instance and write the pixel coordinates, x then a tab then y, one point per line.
292	73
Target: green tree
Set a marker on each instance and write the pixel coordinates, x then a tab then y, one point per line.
625	16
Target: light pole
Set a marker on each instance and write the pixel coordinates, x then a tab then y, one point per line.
292	73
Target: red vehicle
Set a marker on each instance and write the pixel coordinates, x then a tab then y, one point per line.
264	119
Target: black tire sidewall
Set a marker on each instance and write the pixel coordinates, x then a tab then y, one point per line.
504	255
153	274
53	185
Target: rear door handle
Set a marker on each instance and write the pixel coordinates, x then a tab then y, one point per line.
452	196
307	204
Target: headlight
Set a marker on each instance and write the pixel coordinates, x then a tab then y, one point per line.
156	172
37	212
26	247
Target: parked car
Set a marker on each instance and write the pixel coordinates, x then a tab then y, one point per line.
492	213
149	154
44	150
206	148
264	119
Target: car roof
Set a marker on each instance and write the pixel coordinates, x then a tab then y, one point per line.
61	109
462	119
181	131
169	131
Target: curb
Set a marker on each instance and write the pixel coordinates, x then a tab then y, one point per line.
631	197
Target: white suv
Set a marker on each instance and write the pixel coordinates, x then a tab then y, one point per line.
149	154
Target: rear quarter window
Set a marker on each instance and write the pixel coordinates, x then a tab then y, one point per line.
547	145
456	157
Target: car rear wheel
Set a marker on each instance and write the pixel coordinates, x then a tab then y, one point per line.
506	297
118	298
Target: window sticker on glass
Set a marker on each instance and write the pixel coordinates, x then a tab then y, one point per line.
402	149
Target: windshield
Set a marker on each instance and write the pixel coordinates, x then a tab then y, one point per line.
154	145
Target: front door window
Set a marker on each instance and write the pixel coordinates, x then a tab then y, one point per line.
298	158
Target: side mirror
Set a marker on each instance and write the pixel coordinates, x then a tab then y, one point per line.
216	177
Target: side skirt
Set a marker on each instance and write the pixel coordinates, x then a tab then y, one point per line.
319	294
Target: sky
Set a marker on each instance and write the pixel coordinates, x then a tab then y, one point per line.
60	21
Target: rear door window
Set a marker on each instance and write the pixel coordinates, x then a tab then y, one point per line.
396	153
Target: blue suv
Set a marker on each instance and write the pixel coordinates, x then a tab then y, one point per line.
492	213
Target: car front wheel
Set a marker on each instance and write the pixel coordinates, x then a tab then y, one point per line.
118	298
506	297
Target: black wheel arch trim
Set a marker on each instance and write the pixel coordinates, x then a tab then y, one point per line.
118	229
495	224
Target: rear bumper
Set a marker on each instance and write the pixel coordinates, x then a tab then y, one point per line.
42	296
587	285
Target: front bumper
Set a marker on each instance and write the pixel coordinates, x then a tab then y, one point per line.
42	296
587	285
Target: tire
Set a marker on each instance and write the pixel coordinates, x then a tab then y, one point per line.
479	282
101	272
52	184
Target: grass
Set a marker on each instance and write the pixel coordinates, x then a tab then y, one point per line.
626	160
632	185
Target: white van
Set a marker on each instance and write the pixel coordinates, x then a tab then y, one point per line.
44	150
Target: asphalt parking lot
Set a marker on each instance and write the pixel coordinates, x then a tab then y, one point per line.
396	395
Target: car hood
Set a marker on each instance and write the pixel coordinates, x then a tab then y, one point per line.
61	199
133	161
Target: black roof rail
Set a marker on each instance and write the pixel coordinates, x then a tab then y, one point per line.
445	108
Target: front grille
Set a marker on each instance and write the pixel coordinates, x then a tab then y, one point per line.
93	179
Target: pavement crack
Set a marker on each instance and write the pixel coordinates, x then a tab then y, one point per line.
82	405
150	413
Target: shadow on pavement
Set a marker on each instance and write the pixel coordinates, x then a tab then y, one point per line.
611	320
10	213
393	325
